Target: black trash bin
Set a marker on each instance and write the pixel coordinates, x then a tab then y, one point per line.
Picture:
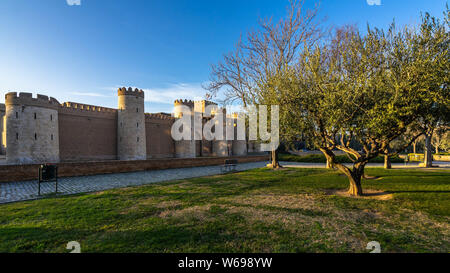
48	173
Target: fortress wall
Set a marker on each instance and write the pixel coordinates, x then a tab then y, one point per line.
2	130
87	132
159	140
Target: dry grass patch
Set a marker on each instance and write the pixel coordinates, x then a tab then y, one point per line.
288	201
368	194
197	212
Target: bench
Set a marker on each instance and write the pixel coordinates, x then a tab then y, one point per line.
229	166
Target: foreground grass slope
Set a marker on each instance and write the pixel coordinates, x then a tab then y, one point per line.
254	211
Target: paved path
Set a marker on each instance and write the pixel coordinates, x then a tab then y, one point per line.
27	190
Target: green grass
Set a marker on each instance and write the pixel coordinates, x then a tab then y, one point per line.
320	158
254	211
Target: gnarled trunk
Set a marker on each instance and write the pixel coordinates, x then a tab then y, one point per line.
355	188
354	177
428	152
275	162
329	165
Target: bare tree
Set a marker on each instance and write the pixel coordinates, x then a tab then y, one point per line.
243	75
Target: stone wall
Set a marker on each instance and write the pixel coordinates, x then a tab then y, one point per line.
2	130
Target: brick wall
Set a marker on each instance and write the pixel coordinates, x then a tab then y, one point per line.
87	135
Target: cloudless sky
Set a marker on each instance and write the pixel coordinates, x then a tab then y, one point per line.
82	53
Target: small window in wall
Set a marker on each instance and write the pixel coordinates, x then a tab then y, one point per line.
17	114
17	136
137	125
35	116
51	137
121	125
138	139
51	117
137	110
35	136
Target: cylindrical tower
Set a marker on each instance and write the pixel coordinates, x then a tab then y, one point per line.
239	146
31	129
2	130
131	142
185	148
220	147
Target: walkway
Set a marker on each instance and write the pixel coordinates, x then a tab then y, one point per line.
27	190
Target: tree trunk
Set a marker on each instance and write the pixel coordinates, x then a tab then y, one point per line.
329	165
275	162
428	152
414	147
355	184
387	160
437	149
354	177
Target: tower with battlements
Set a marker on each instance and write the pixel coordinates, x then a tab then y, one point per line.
32	134
131	138
185	148
2	130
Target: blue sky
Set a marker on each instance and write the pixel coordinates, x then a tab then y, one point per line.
82	53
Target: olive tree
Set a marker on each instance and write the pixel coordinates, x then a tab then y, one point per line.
371	89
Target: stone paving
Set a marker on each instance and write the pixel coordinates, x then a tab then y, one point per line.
28	190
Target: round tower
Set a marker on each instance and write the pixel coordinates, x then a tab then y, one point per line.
2	130
131	142
221	147
32	135
239	145
185	148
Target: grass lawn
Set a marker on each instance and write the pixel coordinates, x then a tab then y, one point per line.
253	211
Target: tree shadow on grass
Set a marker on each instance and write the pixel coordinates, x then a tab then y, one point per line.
419	191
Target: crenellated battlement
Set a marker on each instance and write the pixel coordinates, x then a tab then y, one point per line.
205	102
201	105
23	98
185	102
130	92
86	107
158	116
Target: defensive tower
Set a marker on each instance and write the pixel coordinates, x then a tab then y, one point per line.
131	141
31	129
185	148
